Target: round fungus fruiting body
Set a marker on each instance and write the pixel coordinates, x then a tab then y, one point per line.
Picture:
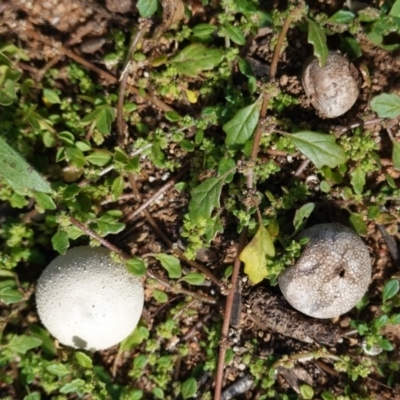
86	300
332	274
332	89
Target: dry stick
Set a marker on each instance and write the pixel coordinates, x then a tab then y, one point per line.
124	256
166	240
158	193
236	266
281	38
143	28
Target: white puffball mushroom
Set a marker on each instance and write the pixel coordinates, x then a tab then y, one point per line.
332	89
88	301
332	274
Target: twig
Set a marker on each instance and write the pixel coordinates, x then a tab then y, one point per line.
173	288
144	26
236	266
158	193
278	47
165	239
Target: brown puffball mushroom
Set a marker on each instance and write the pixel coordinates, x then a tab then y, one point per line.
332	89
332	274
87	300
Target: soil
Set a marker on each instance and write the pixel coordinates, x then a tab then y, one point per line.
81	26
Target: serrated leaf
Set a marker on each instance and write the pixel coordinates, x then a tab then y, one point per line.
203	30
196	58
235	34
9	295
317	38
147	8
205	198
255	255
358	180
386	105
99	157
171	264
396	155
306	391
117	187
21	344
19	174
60	241
302	214
74	386
320	148
241	127
342	17
194	279
390	289
189	388
83	360
136	266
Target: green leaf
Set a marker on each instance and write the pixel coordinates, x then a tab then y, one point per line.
136	266
7	93
357	223
395	319
203	31
99	157
327	396
395	11
189	388
171	264
320	148
33	396
342	17
160	296
396	154
255	255
390	289
47	342
19	174
158	393
386	105
317	38
194	279
205	198
21	344
196	58
302	214
147	8
307	391
9	295
385	344
83	360
60	241
45	201
241	127
235	34
51	96
105	119
117	187
58	369
75	386
358	180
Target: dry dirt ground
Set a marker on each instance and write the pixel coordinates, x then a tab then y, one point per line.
81	26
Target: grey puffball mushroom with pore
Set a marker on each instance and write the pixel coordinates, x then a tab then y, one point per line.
87	300
332	274
332	89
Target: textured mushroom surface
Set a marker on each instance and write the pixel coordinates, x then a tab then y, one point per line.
332	274
332	89
86	300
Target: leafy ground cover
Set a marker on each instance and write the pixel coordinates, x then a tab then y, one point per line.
179	136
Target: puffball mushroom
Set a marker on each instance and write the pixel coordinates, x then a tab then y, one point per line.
87	300
332	274
332	89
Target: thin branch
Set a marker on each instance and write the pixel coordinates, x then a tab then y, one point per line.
144	26
166	240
